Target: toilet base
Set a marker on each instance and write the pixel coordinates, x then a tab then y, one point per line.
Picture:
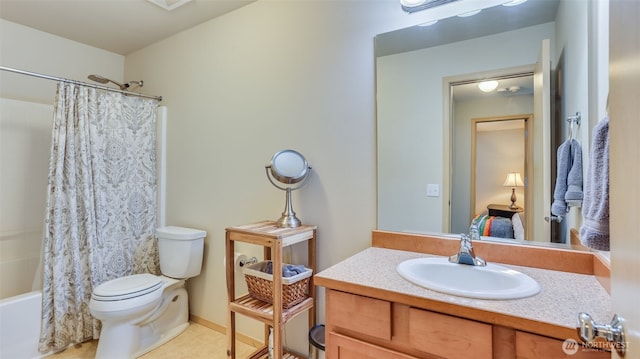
173	320
167	337
131	340
117	340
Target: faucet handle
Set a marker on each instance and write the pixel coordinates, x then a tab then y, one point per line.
474	232
465	241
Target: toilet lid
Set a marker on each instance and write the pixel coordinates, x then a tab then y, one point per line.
127	287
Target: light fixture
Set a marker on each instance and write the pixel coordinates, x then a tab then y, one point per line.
488	86
513	180
418	5
412	3
470	13
169	5
428	23
288	167
514	2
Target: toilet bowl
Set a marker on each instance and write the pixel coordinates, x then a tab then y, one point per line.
143	311
126	298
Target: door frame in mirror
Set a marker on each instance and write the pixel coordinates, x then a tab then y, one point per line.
447	128
528	125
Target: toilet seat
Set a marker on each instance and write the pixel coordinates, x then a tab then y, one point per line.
127	287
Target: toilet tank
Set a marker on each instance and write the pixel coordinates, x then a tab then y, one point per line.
181	250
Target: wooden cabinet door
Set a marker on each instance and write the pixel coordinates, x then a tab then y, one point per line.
448	336
360	314
343	347
532	346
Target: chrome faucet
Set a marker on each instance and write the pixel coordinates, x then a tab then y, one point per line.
466	255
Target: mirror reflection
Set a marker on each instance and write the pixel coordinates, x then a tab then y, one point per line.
497	165
497	146
428	181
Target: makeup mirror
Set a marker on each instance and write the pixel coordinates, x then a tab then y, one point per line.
288	167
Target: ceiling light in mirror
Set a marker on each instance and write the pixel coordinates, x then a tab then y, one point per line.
488	86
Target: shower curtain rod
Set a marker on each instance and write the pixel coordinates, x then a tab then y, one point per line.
43	76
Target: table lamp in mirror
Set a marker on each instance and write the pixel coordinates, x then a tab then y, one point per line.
513	180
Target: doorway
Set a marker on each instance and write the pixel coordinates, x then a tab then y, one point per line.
498	149
469	106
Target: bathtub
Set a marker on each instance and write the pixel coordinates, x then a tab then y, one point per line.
20	326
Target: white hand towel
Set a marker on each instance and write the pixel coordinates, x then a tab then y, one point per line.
594	232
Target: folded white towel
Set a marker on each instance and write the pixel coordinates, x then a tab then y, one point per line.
594	232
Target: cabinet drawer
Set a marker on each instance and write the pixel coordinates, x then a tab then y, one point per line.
359	314
448	336
532	346
343	347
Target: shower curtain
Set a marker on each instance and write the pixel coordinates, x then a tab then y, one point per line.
101	204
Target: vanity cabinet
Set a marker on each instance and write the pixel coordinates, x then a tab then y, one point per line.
363	327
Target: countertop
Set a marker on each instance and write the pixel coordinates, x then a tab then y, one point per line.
552	312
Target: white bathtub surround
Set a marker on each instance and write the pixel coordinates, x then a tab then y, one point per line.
25	132
20	325
101	205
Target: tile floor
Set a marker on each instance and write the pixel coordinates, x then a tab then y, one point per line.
196	342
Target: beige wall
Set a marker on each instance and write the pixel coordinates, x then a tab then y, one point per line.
269	76
29	49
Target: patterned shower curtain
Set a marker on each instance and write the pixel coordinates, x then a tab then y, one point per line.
101	205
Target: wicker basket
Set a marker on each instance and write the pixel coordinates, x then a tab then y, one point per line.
260	285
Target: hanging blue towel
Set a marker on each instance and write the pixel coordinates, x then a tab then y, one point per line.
594	232
573	196
568	191
559	206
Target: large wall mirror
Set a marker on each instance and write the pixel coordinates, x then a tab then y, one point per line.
428	106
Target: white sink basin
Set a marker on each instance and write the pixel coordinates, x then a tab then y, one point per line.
490	282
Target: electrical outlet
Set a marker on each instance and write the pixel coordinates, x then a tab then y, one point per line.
433	190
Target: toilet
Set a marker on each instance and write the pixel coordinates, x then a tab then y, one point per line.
140	312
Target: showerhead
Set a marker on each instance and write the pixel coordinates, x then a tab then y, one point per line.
104	80
98	78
